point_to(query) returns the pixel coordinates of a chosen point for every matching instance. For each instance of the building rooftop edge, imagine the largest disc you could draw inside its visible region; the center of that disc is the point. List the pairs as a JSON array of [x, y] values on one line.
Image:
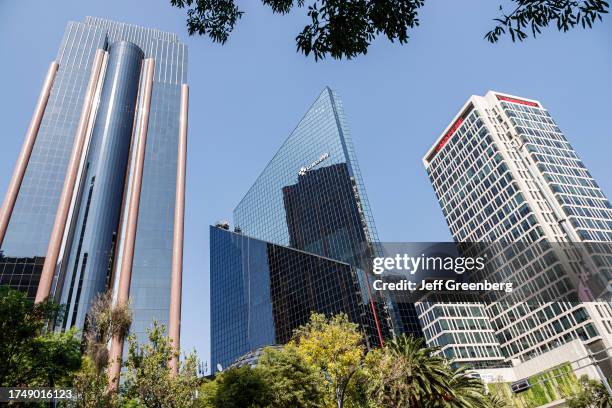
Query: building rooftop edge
[[92, 20], [471, 99], [280, 245]]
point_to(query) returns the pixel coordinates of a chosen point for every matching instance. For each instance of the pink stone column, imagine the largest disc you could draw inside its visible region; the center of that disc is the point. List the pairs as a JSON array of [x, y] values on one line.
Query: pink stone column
[[26, 151], [61, 216], [176, 284], [127, 258]]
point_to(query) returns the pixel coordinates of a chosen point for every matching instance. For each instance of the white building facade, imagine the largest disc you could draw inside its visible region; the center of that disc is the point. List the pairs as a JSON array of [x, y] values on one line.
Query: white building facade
[[504, 173]]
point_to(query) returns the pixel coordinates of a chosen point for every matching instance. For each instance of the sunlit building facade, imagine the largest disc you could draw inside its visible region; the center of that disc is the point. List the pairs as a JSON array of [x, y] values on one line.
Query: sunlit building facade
[[310, 200], [504, 173], [98, 188], [261, 292]]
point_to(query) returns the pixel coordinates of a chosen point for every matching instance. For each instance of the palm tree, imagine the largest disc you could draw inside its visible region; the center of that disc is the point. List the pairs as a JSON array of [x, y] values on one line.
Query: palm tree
[[407, 374], [467, 392], [497, 401]]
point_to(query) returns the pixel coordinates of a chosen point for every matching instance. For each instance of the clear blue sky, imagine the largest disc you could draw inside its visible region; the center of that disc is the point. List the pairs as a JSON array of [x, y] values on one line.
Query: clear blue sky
[[248, 95]]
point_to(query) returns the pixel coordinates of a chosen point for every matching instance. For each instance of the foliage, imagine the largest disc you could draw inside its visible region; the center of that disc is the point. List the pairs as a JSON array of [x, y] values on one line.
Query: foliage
[[497, 401], [552, 385], [334, 346], [291, 381], [326, 365], [91, 386], [346, 28], [593, 394], [340, 28], [149, 380], [31, 355], [239, 388], [208, 392], [215, 18], [406, 372], [281, 379], [466, 392], [104, 320], [534, 15]]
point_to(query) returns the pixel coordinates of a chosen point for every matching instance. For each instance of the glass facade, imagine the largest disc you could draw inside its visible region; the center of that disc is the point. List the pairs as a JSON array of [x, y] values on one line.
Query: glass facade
[[94, 236], [25, 245], [579, 195], [261, 292], [93, 239], [320, 140], [311, 197]]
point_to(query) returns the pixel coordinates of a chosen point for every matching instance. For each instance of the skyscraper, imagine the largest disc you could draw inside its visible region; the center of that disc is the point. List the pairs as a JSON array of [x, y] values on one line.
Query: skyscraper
[[309, 200], [96, 200], [503, 172], [261, 292]]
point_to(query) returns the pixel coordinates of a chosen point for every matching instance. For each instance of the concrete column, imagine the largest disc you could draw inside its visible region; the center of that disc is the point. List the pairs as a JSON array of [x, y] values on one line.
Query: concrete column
[[179, 218], [26, 151], [125, 271], [55, 241]]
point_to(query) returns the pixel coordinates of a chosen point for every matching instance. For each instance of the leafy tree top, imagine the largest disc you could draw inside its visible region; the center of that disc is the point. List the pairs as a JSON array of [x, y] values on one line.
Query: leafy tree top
[[30, 355], [346, 28]]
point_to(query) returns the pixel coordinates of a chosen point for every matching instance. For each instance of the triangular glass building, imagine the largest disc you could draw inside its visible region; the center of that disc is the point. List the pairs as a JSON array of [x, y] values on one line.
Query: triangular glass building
[[306, 214]]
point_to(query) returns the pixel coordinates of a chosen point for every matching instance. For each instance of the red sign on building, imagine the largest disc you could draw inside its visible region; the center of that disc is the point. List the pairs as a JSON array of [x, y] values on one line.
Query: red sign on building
[[514, 100], [449, 134]]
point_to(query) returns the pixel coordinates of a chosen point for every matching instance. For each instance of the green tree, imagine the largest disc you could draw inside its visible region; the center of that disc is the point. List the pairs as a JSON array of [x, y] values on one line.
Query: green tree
[[30, 353], [405, 373], [149, 381], [281, 379], [498, 401], [466, 392], [534, 15], [346, 28], [334, 346], [243, 387], [291, 381], [593, 394], [207, 393]]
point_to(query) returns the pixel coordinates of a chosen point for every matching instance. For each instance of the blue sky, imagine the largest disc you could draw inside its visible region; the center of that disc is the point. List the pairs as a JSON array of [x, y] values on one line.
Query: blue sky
[[248, 95]]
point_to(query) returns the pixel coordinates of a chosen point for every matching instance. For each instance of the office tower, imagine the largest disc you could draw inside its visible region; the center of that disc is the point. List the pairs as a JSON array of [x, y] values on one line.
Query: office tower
[[316, 161], [504, 174], [310, 197], [96, 200], [261, 292]]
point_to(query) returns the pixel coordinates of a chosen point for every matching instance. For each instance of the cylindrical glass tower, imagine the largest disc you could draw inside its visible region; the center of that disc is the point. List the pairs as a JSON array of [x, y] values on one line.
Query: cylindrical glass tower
[[95, 233]]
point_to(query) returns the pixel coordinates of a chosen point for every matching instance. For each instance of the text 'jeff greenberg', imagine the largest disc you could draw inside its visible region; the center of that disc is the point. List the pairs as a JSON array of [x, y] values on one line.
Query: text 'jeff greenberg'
[[427, 267]]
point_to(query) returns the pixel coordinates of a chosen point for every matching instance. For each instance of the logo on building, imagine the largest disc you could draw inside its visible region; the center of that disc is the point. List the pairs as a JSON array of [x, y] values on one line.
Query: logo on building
[[306, 169]]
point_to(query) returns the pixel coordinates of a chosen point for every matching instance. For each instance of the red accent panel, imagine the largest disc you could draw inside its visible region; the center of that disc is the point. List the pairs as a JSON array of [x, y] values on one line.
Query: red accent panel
[[514, 100], [449, 134], [380, 337]]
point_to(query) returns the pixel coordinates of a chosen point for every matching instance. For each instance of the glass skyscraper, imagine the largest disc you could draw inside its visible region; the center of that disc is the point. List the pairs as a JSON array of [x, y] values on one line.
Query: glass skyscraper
[[97, 191], [261, 292], [504, 174], [320, 141], [309, 200]]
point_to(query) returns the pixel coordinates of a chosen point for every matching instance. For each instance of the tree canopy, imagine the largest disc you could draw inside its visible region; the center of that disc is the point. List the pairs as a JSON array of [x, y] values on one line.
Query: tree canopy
[[30, 353], [593, 394], [324, 365], [346, 28], [149, 380]]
